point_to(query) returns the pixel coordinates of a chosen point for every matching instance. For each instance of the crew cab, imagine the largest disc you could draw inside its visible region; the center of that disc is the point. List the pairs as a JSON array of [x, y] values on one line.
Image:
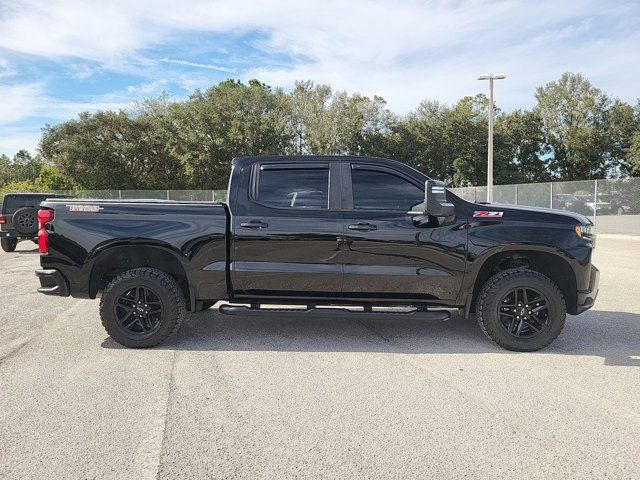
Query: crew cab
[[318, 231]]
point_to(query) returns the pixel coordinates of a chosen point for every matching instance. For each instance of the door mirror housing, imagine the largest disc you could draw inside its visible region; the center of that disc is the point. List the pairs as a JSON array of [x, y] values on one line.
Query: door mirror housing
[[435, 200]]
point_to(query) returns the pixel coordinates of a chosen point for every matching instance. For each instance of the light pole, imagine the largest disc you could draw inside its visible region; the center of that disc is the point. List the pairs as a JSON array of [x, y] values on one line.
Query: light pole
[[491, 77]]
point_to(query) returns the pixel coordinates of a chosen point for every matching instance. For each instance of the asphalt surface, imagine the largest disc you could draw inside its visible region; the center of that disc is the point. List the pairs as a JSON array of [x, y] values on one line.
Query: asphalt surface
[[236, 397]]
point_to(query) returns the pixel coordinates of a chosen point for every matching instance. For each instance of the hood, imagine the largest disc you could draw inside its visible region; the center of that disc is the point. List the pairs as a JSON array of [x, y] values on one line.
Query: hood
[[549, 213]]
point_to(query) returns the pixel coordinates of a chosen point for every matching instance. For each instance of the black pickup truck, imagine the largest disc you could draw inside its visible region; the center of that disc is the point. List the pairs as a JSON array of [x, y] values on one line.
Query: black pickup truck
[[313, 232]]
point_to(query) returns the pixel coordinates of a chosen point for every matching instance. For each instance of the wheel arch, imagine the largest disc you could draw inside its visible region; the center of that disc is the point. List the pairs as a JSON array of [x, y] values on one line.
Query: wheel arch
[[110, 261], [546, 261]]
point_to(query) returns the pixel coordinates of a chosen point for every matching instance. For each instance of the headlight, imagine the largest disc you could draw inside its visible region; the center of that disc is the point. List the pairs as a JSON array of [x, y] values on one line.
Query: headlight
[[583, 230]]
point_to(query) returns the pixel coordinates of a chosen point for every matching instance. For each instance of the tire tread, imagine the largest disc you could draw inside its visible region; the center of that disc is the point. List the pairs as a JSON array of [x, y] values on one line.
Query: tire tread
[[503, 277], [173, 290]]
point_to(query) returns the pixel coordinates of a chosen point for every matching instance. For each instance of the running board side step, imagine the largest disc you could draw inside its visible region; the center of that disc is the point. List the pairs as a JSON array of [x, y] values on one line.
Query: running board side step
[[418, 313]]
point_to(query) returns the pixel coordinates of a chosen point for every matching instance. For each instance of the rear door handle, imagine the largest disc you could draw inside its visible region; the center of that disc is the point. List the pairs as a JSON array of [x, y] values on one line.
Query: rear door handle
[[363, 227], [254, 224]]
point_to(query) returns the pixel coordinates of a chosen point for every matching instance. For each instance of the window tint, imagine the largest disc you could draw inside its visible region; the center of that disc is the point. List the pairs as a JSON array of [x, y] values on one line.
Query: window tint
[[376, 190], [15, 202], [294, 188]]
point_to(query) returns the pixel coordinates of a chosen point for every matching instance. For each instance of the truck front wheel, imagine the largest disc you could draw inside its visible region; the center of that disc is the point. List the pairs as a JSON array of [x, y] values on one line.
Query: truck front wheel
[[140, 308], [521, 310]]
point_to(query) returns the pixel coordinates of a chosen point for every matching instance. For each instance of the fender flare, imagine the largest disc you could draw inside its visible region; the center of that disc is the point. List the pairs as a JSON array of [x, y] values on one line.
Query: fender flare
[[139, 252]]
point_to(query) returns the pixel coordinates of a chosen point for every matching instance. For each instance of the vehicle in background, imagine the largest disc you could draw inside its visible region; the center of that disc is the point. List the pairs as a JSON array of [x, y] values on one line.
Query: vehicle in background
[[599, 208], [621, 207], [321, 231], [571, 203], [18, 218]]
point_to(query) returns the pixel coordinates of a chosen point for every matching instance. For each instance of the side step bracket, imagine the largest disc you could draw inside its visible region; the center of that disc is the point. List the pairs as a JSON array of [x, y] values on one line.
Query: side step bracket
[[255, 310]]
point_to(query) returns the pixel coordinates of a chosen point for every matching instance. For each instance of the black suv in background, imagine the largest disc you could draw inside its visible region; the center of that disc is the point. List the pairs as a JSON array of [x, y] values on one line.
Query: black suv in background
[[19, 218]]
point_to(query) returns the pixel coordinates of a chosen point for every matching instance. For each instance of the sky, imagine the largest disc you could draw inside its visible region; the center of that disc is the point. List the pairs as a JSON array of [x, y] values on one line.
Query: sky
[[61, 57]]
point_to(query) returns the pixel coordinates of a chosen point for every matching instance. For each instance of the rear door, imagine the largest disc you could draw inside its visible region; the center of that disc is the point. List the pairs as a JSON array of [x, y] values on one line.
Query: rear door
[[387, 254], [13, 203], [286, 233]]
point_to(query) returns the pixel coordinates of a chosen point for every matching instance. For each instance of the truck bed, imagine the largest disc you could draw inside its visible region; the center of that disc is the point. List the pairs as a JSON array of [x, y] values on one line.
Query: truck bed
[[89, 237]]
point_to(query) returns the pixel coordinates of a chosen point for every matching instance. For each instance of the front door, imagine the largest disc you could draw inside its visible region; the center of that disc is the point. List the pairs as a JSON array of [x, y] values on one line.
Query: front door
[[388, 255], [286, 240]]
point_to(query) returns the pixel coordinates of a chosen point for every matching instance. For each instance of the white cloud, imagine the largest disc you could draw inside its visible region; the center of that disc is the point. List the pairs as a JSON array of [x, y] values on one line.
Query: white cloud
[[23, 103], [29, 100], [6, 70], [144, 90], [82, 71], [404, 50], [19, 101], [206, 66], [18, 138]]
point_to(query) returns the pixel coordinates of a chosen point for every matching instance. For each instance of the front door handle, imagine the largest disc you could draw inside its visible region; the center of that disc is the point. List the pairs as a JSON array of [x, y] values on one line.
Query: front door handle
[[254, 224], [363, 227]]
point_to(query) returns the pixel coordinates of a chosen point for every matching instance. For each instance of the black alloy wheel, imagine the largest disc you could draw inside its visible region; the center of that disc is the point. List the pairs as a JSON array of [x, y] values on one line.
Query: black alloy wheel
[[142, 307], [524, 312], [521, 309], [139, 310]]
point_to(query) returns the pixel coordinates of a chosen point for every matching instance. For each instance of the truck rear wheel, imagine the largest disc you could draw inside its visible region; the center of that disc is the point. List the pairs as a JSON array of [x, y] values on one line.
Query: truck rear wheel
[[140, 308], [521, 310], [8, 244]]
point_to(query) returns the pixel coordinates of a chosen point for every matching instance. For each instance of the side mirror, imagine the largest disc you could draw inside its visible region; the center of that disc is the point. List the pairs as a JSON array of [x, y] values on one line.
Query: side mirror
[[435, 200]]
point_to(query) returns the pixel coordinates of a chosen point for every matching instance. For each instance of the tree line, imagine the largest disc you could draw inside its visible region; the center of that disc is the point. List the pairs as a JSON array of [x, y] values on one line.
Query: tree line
[[575, 131]]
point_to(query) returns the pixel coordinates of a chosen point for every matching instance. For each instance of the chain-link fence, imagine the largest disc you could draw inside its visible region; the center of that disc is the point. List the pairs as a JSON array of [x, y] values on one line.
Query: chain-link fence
[[613, 205], [179, 195]]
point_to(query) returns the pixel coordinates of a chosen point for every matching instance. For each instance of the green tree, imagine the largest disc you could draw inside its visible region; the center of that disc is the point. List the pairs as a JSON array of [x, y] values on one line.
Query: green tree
[[447, 143], [575, 118], [108, 150], [25, 166], [228, 120], [624, 131], [324, 122], [575, 132], [521, 148], [6, 173], [50, 178], [633, 155]]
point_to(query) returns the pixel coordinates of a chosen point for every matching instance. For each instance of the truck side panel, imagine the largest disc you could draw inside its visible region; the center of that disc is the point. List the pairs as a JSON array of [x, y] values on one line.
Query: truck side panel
[[83, 233]]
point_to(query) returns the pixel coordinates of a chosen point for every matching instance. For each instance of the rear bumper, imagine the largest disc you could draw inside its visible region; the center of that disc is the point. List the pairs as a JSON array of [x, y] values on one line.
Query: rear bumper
[[586, 298], [52, 282], [16, 235]]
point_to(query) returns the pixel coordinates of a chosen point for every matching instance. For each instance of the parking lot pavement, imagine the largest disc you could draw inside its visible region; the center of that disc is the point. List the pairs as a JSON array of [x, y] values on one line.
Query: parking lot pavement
[[236, 397]]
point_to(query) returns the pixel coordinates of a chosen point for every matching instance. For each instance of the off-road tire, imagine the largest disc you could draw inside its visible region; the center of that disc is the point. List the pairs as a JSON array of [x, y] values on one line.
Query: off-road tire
[[8, 244], [173, 306], [25, 221], [497, 287]]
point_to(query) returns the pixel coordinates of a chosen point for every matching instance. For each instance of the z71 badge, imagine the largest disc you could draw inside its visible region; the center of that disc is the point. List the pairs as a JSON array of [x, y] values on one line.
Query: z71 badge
[[487, 214], [84, 208]]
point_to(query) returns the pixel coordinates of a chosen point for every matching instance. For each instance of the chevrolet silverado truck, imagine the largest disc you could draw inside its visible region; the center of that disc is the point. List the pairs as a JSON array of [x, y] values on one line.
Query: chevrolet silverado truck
[[315, 233]]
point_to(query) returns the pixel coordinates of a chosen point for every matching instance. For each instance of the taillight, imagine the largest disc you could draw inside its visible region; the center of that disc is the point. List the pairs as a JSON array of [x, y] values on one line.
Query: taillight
[[44, 216], [3, 219]]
